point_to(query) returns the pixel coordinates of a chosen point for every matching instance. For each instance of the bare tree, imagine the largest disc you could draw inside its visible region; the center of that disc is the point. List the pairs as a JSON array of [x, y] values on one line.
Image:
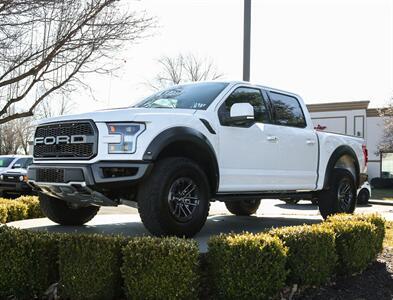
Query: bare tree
[[47, 46], [54, 107], [386, 143], [183, 68], [15, 135]]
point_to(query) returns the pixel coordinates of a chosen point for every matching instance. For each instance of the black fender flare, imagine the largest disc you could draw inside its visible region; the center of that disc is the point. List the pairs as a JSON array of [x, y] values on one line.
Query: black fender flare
[[181, 134], [339, 152]]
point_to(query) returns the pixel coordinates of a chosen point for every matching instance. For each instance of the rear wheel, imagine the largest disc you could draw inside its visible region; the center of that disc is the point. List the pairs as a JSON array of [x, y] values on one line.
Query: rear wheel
[[244, 207], [175, 199], [363, 196], [62, 213], [340, 197]]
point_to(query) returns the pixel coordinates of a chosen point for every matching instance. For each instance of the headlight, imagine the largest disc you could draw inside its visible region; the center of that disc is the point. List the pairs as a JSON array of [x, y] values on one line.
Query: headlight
[[23, 178], [128, 132], [1, 177]]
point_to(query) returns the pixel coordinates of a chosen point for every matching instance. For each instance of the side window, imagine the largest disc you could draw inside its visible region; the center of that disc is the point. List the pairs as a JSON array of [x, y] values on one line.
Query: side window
[[245, 95], [19, 163], [287, 110], [22, 163]]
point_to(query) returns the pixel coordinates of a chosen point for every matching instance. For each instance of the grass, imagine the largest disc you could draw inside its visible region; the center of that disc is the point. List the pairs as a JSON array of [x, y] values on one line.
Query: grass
[[389, 234], [382, 194]]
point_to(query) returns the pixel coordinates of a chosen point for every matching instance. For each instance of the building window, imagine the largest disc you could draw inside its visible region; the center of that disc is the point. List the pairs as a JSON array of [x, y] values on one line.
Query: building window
[[387, 165]]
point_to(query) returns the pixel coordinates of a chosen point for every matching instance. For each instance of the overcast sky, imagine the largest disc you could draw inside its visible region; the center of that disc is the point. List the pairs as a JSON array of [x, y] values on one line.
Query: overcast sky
[[324, 50]]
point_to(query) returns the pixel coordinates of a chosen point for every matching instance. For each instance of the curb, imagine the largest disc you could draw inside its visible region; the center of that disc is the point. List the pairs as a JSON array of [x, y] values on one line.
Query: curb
[[381, 202]]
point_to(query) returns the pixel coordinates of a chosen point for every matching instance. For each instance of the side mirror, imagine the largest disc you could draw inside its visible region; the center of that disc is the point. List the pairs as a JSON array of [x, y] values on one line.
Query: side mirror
[[16, 166], [241, 113]]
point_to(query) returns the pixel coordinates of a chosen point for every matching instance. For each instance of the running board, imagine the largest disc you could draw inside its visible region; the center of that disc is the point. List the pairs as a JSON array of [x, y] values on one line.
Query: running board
[[268, 195]]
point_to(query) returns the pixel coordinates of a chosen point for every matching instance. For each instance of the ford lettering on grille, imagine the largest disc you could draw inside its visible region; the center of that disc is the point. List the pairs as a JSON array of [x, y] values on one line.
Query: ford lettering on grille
[[61, 139], [66, 140]]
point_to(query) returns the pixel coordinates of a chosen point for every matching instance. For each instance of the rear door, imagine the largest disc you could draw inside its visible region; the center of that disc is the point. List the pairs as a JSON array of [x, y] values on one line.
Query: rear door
[[297, 155]]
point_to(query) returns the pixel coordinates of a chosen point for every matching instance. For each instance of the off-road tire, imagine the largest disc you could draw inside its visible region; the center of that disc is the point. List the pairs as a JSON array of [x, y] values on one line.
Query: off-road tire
[[61, 213], [329, 202], [244, 207], [153, 198]]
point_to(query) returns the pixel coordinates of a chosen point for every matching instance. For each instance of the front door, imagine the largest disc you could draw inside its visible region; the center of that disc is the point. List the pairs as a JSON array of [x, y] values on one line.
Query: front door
[[248, 152]]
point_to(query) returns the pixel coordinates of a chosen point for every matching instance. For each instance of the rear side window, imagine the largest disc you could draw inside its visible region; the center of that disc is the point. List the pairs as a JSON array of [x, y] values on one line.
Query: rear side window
[[287, 110]]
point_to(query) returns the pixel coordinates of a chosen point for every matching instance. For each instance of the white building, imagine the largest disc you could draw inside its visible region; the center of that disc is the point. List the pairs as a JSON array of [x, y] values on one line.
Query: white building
[[355, 118]]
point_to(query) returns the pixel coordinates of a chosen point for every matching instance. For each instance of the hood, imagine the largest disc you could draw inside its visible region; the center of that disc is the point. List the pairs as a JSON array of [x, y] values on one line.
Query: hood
[[2, 169], [121, 115]]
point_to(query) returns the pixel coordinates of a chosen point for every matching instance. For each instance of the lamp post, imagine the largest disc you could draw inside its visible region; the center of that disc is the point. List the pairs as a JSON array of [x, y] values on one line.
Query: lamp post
[[246, 40]]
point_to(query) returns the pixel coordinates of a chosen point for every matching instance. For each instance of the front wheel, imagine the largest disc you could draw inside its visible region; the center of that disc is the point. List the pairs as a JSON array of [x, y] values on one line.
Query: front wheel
[[175, 199], [244, 207], [61, 213], [340, 197]]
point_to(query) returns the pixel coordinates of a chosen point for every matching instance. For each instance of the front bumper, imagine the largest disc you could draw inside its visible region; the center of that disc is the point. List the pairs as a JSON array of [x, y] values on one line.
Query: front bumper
[[86, 183], [15, 187]]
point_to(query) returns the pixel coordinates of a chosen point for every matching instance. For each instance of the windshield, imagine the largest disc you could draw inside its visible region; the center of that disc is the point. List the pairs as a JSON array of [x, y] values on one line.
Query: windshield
[[5, 161], [191, 96]]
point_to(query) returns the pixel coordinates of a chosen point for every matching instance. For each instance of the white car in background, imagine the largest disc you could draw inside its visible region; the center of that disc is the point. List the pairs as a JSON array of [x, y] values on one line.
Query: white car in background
[[7, 162], [364, 193]]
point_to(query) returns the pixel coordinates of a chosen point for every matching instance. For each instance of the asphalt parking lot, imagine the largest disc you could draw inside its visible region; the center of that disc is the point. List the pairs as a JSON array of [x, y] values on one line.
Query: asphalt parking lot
[[272, 213]]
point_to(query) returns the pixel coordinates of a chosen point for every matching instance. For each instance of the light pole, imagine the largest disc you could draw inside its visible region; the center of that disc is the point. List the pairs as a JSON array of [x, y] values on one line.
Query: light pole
[[246, 40]]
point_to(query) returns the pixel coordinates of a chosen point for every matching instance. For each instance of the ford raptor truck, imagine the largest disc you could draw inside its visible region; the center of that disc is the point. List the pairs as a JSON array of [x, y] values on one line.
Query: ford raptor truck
[[174, 152]]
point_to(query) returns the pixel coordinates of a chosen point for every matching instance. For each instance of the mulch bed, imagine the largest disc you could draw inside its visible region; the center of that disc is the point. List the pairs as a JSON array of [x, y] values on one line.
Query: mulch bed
[[376, 282]]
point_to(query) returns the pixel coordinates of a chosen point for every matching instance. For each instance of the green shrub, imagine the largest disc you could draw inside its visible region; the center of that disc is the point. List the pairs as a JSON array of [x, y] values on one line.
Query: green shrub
[[89, 266], [160, 268], [16, 211], [28, 262], [3, 213], [311, 253], [33, 206], [354, 244], [373, 218], [24, 207], [246, 266]]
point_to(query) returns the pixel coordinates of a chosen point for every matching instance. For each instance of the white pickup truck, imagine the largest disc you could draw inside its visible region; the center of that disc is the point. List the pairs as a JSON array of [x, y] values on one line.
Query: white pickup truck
[[181, 148]]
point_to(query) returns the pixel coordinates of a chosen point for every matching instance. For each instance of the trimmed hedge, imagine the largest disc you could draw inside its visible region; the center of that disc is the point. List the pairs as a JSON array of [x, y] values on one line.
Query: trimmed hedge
[[374, 218], [28, 262], [3, 213], [354, 244], [254, 266], [24, 207], [33, 206], [89, 266], [311, 253], [246, 266], [160, 268]]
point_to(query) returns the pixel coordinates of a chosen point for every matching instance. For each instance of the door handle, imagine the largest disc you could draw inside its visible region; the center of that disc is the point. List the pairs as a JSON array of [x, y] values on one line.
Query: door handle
[[310, 142], [272, 138]]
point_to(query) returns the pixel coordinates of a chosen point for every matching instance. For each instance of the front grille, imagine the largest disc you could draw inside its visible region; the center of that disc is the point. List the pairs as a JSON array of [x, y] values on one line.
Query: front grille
[[10, 178], [66, 150], [50, 175]]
